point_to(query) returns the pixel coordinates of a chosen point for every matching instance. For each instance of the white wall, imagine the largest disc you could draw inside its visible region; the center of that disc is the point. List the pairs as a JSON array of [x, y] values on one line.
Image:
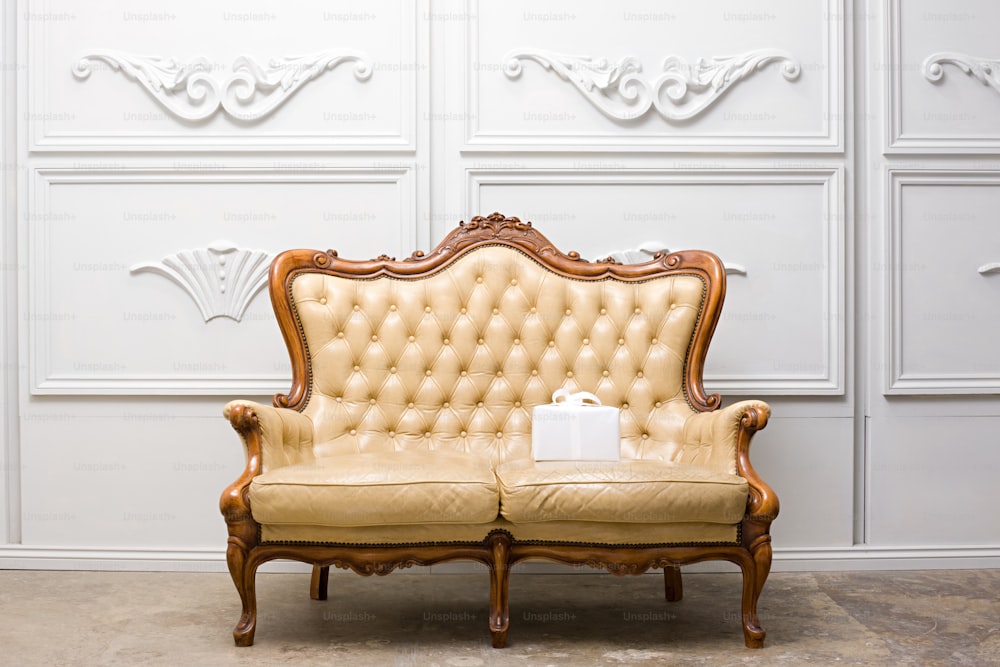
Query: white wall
[[851, 196]]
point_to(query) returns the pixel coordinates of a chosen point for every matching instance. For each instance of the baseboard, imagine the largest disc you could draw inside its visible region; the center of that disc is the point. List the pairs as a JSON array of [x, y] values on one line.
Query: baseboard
[[15, 557]]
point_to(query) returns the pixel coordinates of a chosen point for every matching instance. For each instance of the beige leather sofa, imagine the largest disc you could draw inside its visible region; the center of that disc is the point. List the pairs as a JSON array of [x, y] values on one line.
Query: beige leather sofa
[[406, 437]]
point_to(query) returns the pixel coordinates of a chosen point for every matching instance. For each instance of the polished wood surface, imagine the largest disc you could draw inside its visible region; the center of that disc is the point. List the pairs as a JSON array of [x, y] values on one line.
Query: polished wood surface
[[499, 551]]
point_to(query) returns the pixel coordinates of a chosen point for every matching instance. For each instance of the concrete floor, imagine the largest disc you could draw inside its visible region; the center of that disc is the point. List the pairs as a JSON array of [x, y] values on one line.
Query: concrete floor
[[131, 618]]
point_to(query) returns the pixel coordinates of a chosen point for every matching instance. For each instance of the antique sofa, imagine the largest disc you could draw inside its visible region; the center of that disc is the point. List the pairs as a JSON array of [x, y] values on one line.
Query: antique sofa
[[406, 436]]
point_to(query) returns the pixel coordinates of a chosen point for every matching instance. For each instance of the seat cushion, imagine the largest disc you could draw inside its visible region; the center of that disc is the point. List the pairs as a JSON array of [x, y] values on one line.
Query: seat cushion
[[629, 491], [409, 487]]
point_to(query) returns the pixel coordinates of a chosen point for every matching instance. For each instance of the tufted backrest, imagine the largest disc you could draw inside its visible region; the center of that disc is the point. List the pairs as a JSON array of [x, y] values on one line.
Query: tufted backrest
[[454, 349]]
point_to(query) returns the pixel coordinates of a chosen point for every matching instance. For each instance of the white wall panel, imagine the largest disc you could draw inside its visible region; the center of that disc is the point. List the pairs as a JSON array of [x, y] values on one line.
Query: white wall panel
[[933, 481], [122, 76], [941, 68], [782, 328], [944, 282], [641, 75], [95, 326], [810, 465], [141, 478]]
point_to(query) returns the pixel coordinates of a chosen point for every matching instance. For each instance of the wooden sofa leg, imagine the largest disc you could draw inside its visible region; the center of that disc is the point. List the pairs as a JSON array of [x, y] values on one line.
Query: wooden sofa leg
[[755, 572], [244, 576], [499, 544], [672, 585], [320, 584]]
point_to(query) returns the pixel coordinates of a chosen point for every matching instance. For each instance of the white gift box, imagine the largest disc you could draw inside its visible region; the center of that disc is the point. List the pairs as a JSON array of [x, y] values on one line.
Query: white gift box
[[578, 428]]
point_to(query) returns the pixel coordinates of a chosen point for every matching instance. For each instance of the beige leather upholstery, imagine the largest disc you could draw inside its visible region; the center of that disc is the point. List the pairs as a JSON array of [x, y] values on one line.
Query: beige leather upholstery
[[378, 488], [626, 491], [456, 361], [418, 423]]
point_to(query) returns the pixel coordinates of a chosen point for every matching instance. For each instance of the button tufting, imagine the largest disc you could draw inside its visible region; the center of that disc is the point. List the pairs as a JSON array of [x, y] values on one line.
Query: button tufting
[[322, 300], [340, 334], [357, 368], [586, 341], [569, 312], [621, 341], [499, 374], [392, 308], [427, 434], [374, 337], [604, 311], [409, 405], [517, 404], [645, 436], [354, 431], [411, 338], [569, 374], [479, 279], [446, 404], [428, 372], [638, 310], [357, 307], [534, 371], [552, 343], [624, 406], [517, 341], [658, 404], [496, 311], [463, 311], [392, 434], [427, 309], [654, 341], [499, 434], [513, 281], [480, 341], [340, 399], [446, 342], [639, 374], [371, 400], [605, 373], [463, 434], [534, 310], [463, 373], [392, 370], [479, 404]]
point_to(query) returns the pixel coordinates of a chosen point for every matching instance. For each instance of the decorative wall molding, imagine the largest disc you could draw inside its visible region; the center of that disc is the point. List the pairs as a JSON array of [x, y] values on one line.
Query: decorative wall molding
[[191, 92], [681, 91], [623, 96], [795, 379], [648, 249], [987, 72], [221, 278], [333, 113], [48, 376], [907, 85], [899, 381]]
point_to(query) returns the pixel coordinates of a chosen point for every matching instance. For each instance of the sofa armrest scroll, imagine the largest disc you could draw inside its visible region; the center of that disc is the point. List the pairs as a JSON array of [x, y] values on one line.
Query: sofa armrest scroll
[[284, 437], [726, 435], [272, 437]]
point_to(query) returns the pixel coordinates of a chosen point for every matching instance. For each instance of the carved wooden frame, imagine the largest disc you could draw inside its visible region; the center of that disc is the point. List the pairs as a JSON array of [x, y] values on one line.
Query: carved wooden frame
[[499, 550]]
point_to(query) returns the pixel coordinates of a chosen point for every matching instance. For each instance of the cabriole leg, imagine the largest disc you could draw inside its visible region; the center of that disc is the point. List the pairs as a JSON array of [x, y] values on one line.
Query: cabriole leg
[[499, 544], [244, 577]]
